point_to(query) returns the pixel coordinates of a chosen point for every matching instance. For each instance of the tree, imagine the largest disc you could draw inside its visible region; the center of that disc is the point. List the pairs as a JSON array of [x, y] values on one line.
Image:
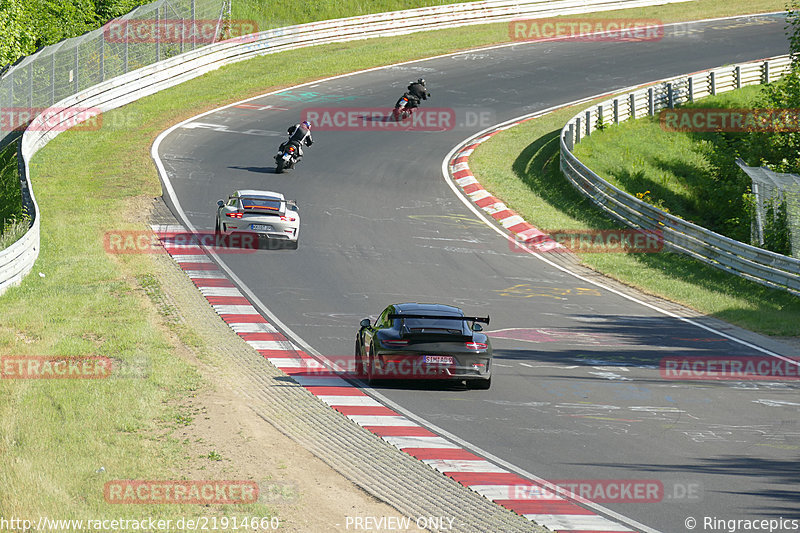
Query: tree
[[15, 27]]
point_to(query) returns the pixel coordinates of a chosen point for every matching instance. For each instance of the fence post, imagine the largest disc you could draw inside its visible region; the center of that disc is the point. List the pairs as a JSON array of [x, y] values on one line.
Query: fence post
[[194, 27], [52, 79], [125, 53], [599, 115], [616, 110], [577, 130], [77, 65], [766, 72], [102, 46], [588, 123], [651, 104], [30, 86], [670, 96], [691, 88], [158, 34], [571, 136], [738, 72], [632, 104], [713, 79]]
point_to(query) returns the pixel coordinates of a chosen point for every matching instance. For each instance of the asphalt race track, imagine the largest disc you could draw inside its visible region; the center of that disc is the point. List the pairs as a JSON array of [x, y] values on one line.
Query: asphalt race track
[[577, 393]]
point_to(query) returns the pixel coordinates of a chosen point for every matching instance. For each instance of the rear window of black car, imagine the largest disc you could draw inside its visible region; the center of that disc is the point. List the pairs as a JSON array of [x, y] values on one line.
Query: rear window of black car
[[261, 204]]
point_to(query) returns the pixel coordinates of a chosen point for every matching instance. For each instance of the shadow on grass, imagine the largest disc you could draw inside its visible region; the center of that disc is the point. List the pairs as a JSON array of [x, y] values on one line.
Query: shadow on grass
[[771, 311]]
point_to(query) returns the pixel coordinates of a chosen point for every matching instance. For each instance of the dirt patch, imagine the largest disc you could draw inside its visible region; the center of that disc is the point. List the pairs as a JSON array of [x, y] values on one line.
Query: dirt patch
[[306, 494]]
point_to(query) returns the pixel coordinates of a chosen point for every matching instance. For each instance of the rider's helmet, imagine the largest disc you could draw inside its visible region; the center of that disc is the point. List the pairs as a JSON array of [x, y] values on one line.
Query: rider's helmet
[[306, 124], [421, 82]]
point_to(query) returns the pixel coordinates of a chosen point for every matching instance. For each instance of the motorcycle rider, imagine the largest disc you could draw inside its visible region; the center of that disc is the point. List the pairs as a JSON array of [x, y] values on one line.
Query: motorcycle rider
[[300, 134], [418, 89], [415, 92]]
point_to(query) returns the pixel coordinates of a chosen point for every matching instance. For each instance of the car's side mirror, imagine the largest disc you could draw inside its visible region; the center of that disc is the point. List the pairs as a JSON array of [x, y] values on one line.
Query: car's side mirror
[[477, 327], [365, 322], [220, 203]]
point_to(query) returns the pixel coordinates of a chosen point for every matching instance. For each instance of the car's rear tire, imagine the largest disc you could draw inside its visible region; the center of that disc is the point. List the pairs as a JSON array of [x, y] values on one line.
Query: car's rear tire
[[371, 379], [479, 384], [217, 235], [359, 362]]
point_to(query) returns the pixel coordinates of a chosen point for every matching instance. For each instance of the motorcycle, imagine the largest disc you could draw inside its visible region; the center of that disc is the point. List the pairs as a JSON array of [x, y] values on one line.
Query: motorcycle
[[403, 109], [287, 157]]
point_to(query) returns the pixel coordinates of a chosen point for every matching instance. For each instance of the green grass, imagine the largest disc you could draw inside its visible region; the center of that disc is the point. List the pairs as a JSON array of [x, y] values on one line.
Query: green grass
[[691, 175], [532, 185], [287, 12], [55, 436], [277, 13]]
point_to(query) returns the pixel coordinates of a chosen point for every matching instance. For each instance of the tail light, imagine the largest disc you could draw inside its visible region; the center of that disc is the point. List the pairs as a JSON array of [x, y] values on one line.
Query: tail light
[[287, 219], [476, 346], [233, 215], [394, 344], [291, 148]]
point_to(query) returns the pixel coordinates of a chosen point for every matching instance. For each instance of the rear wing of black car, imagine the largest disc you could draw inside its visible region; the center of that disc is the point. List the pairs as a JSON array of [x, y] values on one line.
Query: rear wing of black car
[[484, 320]]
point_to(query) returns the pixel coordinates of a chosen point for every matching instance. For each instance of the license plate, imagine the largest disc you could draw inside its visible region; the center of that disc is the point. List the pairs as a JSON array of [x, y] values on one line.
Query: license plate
[[260, 227], [286, 157], [438, 359]]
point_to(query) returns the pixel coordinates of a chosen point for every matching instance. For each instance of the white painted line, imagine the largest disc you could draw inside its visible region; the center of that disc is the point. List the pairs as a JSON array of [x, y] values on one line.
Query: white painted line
[[479, 195], [463, 465], [362, 400], [376, 420], [420, 442], [284, 346], [578, 522], [235, 309], [513, 220], [220, 291], [205, 274], [495, 208], [465, 153], [516, 492], [189, 258], [167, 228], [291, 362], [253, 327]]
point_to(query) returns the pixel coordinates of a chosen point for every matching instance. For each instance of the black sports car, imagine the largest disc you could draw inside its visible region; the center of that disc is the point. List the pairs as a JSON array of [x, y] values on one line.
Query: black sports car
[[425, 341]]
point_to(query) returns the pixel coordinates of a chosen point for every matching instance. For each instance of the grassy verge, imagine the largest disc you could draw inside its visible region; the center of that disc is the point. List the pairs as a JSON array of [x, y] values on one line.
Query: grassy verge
[[55, 436], [690, 174], [532, 184]]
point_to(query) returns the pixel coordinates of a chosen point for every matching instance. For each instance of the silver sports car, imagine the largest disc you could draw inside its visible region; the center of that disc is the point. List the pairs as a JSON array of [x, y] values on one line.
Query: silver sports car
[[265, 214]]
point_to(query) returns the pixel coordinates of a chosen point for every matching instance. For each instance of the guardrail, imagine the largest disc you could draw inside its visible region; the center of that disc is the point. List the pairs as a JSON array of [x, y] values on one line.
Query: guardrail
[[765, 267], [128, 87]]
